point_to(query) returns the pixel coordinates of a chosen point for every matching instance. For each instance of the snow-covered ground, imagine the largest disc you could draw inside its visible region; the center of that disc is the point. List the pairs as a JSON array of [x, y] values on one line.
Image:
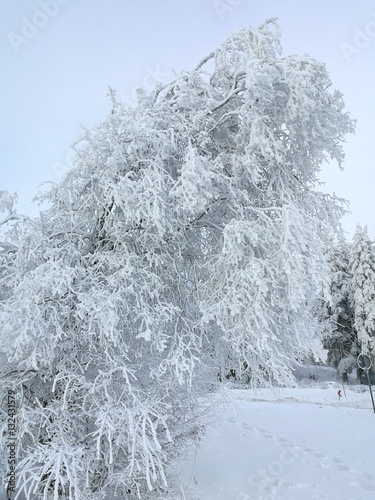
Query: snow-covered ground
[[294, 444], [300, 443]]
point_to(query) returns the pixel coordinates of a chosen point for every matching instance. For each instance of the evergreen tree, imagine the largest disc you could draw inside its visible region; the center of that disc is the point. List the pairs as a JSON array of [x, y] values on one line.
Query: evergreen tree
[[339, 337], [189, 230], [362, 294]]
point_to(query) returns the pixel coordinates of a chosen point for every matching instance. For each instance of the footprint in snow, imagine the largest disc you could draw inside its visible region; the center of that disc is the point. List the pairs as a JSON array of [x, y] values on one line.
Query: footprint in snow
[[339, 465], [232, 420], [365, 476], [317, 455], [365, 480]]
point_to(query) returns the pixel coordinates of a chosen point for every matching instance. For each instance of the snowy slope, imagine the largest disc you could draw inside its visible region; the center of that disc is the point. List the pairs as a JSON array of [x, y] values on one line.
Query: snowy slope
[[299, 443]]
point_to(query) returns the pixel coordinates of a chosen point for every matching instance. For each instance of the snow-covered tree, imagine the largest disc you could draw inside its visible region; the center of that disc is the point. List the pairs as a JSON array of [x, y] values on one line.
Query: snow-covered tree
[[362, 296], [10, 221], [339, 338], [189, 231], [277, 126]]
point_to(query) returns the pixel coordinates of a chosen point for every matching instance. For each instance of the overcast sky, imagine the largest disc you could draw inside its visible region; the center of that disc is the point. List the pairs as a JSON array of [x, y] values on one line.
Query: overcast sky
[[59, 56]]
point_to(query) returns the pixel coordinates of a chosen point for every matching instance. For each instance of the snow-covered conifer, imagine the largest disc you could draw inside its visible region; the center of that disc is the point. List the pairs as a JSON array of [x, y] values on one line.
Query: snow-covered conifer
[[362, 294], [339, 337]]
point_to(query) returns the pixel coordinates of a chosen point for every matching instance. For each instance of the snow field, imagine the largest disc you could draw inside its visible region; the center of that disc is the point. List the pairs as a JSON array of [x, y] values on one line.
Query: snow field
[[294, 444]]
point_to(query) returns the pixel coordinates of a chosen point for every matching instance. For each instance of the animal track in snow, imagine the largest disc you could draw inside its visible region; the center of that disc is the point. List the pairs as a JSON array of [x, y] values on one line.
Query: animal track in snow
[[363, 480]]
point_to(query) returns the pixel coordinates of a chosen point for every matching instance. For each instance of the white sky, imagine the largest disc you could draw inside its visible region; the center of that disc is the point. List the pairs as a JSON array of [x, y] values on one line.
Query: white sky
[[55, 81]]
